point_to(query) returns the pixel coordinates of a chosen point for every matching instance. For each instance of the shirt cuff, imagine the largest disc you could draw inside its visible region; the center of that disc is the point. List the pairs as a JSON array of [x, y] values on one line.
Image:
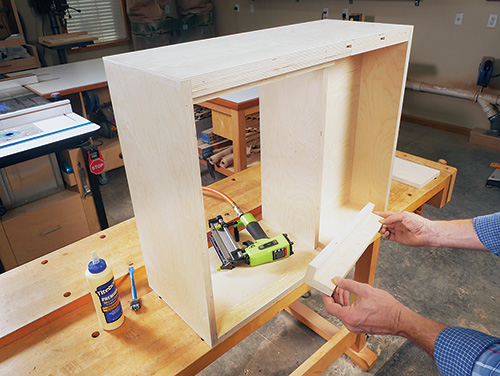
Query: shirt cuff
[[487, 228], [456, 350]]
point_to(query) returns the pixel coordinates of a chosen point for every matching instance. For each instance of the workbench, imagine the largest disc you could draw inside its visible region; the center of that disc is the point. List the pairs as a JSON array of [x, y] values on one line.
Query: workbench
[[69, 80], [49, 323], [228, 120]]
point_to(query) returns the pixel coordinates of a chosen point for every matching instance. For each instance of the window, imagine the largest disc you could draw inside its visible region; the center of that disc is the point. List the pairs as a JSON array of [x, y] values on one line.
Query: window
[[102, 19]]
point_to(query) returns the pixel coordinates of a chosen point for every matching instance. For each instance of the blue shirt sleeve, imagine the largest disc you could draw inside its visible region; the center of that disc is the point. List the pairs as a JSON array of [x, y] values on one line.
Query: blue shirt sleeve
[[488, 362], [457, 349], [487, 229]]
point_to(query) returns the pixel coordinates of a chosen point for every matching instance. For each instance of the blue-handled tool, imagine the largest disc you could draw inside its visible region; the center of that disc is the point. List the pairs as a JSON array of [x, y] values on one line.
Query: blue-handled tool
[[135, 303]]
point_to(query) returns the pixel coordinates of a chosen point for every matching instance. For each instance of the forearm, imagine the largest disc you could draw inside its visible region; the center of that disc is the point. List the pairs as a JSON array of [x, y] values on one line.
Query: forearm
[[455, 234], [419, 329]]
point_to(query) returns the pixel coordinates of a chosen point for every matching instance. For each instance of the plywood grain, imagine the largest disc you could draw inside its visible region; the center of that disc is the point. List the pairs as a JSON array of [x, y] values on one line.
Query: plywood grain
[[379, 111], [160, 155], [292, 123]]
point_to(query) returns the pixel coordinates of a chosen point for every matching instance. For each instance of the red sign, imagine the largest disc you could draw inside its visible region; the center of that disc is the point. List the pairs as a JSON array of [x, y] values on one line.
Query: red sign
[[97, 166]]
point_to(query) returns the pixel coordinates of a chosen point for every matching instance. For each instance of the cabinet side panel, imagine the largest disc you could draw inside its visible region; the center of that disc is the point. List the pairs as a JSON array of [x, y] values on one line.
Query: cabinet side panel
[[292, 116], [155, 123], [382, 83], [341, 116]]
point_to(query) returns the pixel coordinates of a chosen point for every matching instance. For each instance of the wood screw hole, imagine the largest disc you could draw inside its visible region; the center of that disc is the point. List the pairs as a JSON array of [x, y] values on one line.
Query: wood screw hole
[[103, 236], [233, 179], [44, 262], [226, 214], [66, 294], [120, 156], [348, 46], [95, 334], [382, 38], [409, 194]]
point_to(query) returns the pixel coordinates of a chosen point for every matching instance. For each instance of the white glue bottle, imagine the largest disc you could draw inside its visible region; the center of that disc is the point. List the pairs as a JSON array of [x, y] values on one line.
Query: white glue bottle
[[104, 293]]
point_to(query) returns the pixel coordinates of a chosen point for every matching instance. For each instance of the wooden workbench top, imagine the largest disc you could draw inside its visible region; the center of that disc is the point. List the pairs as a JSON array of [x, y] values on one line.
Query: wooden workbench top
[[48, 331]]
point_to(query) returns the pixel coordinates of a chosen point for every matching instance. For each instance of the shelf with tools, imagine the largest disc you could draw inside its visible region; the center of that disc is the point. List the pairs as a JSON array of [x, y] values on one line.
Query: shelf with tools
[[17, 55], [218, 151], [236, 117]]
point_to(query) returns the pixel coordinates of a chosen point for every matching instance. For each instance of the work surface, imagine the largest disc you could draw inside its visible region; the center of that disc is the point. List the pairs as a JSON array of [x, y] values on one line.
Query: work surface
[[51, 327]]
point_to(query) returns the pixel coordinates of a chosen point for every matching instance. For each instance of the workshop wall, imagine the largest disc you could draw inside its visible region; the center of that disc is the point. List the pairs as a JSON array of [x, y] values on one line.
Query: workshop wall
[[442, 53]]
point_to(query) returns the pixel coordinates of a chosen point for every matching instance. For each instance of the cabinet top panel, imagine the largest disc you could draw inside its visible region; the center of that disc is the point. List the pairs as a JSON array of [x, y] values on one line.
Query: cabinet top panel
[[214, 65]]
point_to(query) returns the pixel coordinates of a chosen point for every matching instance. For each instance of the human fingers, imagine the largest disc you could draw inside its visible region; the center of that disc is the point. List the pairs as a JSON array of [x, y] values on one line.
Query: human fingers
[[385, 232], [383, 214], [341, 296], [332, 307], [393, 218], [350, 285]]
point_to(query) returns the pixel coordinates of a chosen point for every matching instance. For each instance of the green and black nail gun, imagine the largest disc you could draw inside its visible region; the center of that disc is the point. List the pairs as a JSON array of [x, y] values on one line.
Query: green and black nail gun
[[262, 250]]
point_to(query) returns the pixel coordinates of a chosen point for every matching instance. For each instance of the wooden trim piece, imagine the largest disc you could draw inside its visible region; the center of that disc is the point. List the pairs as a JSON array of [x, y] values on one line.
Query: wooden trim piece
[[436, 124], [341, 253]]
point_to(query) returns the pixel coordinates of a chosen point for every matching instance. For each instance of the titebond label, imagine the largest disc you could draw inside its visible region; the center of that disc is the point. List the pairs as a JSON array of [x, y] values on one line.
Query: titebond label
[[110, 301]]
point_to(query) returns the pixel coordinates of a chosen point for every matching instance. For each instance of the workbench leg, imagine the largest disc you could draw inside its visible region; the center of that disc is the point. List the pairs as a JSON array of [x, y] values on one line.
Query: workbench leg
[[239, 140], [318, 362], [365, 273], [365, 359]]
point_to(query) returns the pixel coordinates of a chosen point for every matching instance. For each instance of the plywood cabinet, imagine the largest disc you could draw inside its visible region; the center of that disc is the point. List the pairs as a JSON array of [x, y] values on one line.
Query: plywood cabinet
[[330, 100]]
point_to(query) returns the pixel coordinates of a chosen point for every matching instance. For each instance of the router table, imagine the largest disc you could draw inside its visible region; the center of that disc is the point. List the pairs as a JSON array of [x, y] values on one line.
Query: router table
[[49, 325]]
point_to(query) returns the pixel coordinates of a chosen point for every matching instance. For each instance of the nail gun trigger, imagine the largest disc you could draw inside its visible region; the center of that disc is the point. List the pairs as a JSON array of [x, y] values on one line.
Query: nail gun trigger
[[248, 243]]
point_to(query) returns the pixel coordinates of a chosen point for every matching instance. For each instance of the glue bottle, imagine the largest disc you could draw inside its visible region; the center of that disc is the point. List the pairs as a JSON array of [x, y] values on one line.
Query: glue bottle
[[104, 293]]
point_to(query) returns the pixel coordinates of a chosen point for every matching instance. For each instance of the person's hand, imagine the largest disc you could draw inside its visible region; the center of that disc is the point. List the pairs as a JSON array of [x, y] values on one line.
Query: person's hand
[[374, 311], [406, 228]]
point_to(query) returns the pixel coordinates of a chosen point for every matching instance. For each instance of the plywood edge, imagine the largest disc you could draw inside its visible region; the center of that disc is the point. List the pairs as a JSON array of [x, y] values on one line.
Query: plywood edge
[[341, 254], [413, 174], [205, 88]]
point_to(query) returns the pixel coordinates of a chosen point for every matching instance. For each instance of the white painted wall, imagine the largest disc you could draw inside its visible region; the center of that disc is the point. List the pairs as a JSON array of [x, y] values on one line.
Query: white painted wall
[[442, 53]]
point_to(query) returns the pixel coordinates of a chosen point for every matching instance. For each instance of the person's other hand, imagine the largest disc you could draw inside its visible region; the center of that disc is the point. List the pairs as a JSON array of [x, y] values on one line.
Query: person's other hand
[[406, 228], [374, 311]]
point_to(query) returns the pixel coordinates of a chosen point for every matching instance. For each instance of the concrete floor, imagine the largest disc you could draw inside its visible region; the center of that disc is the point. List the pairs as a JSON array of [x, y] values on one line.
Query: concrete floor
[[457, 287]]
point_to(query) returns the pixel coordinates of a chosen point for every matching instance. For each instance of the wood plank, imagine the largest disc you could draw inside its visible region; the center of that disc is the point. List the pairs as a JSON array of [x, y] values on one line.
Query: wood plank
[[478, 136], [413, 174], [404, 197], [165, 185], [436, 124], [379, 111], [342, 253], [292, 118], [266, 54], [118, 245]]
